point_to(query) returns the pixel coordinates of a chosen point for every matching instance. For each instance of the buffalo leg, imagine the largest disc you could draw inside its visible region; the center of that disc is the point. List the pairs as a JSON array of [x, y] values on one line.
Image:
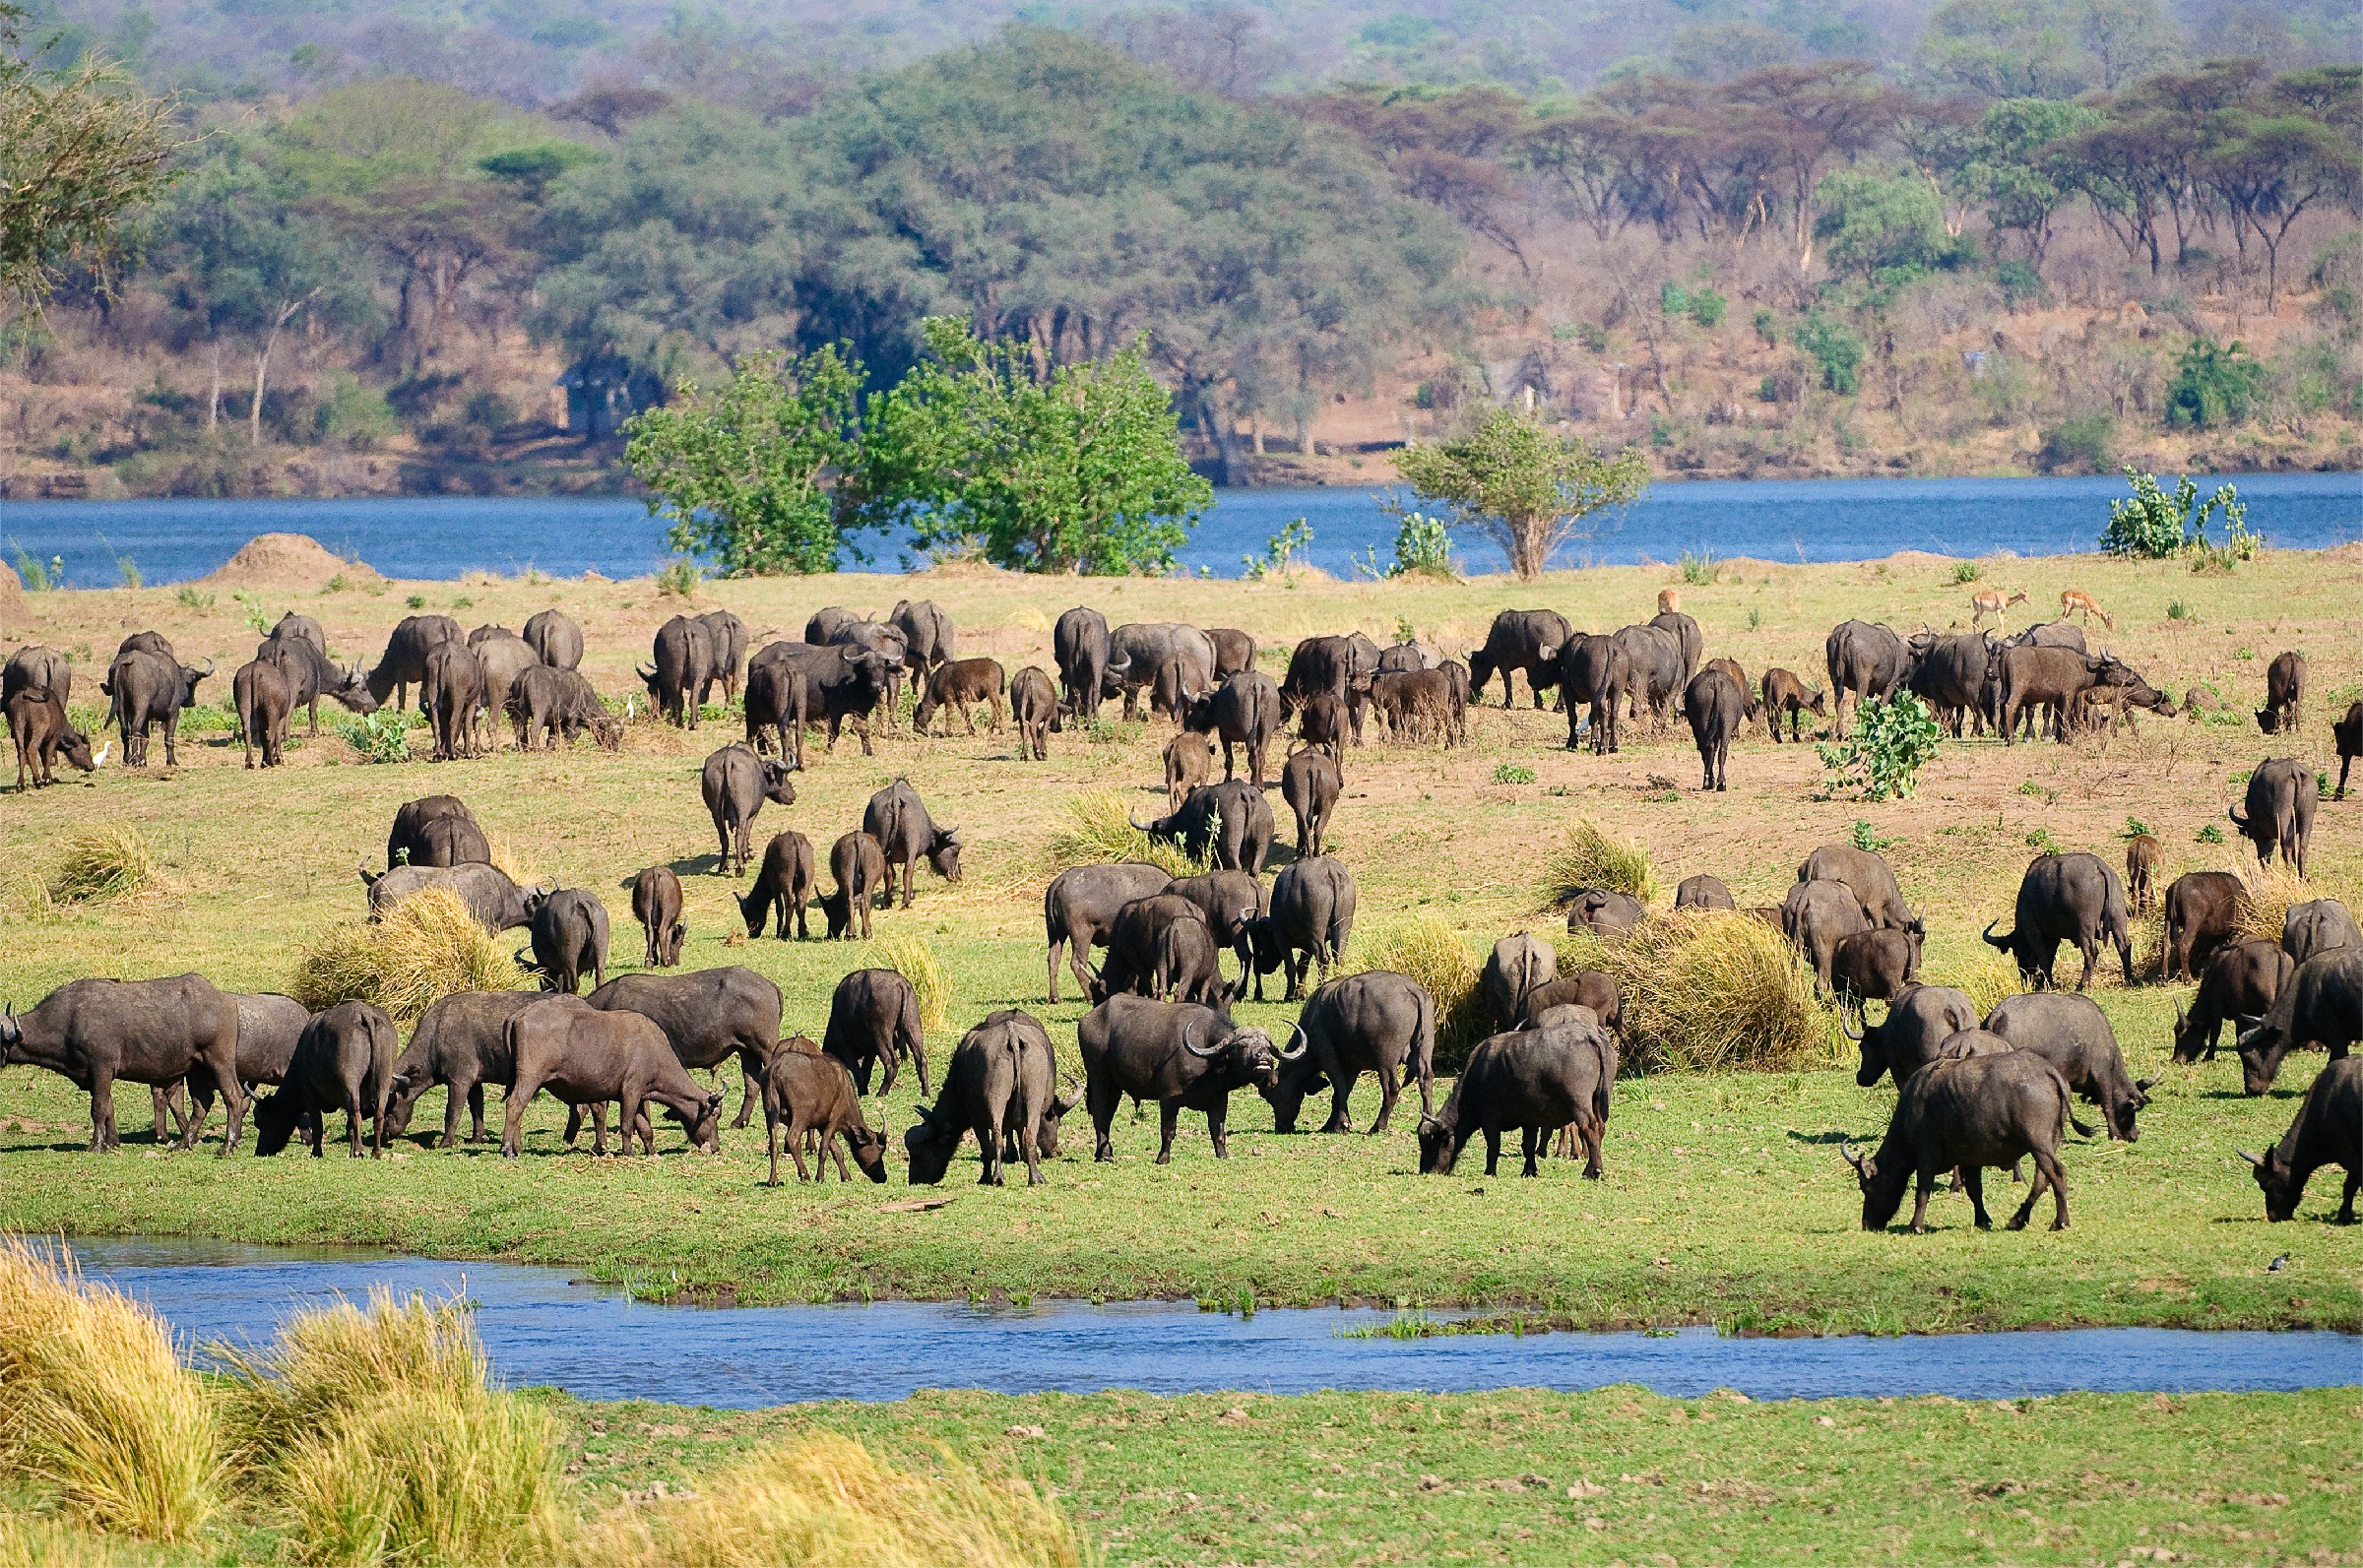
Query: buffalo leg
[[771, 1136], [1342, 1082], [1589, 1127], [1527, 1135], [1101, 1104], [1169, 1112], [102, 1113], [989, 1150], [750, 1085], [475, 1113], [1493, 1149], [1927, 1184], [1032, 1151], [2346, 1200], [797, 1134], [512, 1137], [598, 1129], [2091, 947], [1972, 1180], [1218, 1128]]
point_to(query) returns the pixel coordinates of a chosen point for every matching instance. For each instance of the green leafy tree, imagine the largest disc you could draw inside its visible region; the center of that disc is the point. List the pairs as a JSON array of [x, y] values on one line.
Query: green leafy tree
[[2213, 386], [1528, 489], [1078, 468], [2022, 166], [749, 474], [1837, 349], [1884, 225], [2153, 525]]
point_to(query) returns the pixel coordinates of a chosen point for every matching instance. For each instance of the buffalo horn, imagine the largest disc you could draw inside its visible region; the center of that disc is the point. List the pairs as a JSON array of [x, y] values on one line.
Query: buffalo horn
[[649, 673], [1853, 1034], [1190, 1045], [1846, 1150], [1142, 826], [1297, 1033], [2146, 1084], [2244, 1155], [209, 670], [1987, 934]]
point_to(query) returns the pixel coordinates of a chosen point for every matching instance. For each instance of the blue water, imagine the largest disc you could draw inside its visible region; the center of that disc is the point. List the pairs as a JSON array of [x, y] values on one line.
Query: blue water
[[1810, 520], [540, 1328]]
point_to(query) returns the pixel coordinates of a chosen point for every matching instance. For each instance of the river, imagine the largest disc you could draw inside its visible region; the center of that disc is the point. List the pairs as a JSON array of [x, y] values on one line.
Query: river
[[1801, 520]]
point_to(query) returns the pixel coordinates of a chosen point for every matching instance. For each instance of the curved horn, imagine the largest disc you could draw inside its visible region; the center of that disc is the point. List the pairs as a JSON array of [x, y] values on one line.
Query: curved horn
[[1847, 1150], [209, 670], [1853, 1034], [1190, 1047], [2238, 821], [1142, 826], [1988, 935], [649, 673], [1296, 1031], [2146, 1084], [2244, 1155]]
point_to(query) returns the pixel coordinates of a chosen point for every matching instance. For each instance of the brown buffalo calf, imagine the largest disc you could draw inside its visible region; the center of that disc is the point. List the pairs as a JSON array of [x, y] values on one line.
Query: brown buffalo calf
[[37, 723], [656, 904], [811, 1096], [956, 685], [1784, 694], [2142, 870], [1034, 708], [783, 886], [1189, 763]]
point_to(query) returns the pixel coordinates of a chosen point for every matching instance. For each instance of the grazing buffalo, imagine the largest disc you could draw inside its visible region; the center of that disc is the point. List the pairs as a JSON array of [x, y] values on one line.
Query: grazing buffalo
[[1868, 876], [2322, 1004], [588, 1056], [1594, 672], [1715, 705], [1418, 703], [1816, 917], [873, 1018], [142, 1031], [1322, 721], [2142, 852], [1875, 965], [1230, 822], [1603, 910], [860, 867], [811, 1098], [1689, 639], [1189, 764], [43, 733], [1311, 922], [569, 936], [1183, 1056], [1704, 892], [1785, 695], [403, 664], [656, 905], [1002, 1085], [144, 689], [1079, 647], [554, 639], [681, 669], [451, 692], [35, 667], [926, 633], [1653, 655], [1949, 673], [2328, 1131], [1232, 902], [1327, 666], [461, 1043], [1965, 1113], [1142, 650], [502, 656], [1034, 708], [1244, 711], [725, 642], [2203, 910], [776, 710], [1865, 661], [2284, 692], [1517, 966], [2316, 927], [958, 685], [1161, 946], [1080, 905], [310, 677], [2347, 735], [1377, 1022], [342, 1061], [1310, 784], [782, 887], [1918, 1023], [898, 819], [736, 783], [435, 829], [263, 700], [548, 705], [268, 1025], [498, 903], [1526, 641], [293, 628], [2242, 980], [2067, 898], [2051, 680], [1584, 989], [2282, 796], [1534, 1080], [2072, 1034], [709, 1017]]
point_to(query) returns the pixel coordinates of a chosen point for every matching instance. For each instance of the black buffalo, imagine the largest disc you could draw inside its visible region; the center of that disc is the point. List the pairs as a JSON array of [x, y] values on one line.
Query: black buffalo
[[1519, 964], [1716, 705], [1310, 784], [708, 1017], [681, 668], [451, 693], [2072, 1034], [141, 1032], [656, 905], [2328, 1131], [1534, 1080], [587, 1057], [1816, 915], [1654, 678], [1377, 1022], [1312, 920], [2322, 1005], [2316, 927], [1918, 1023], [2281, 798], [782, 887], [1244, 711], [2203, 911], [498, 903], [1866, 661], [2242, 980], [1965, 1113], [1002, 1085], [1232, 902], [553, 636], [144, 689], [2067, 898], [1868, 876], [310, 677], [873, 1018], [570, 936], [436, 831], [1034, 710], [403, 664], [1704, 892], [898, 819], [1594, 671], [1079, 647], [736, 783], [1183, 1056], [1527, 640], [1161, 945], [1080, 905], [860, 867], [462, 1043], [548, 705], [342, 1061], [726, 640]]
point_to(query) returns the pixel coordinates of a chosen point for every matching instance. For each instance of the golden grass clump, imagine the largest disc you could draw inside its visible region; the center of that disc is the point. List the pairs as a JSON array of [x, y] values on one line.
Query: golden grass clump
[[1987, 978], [915, 962], [421, 950], [373, 1437], [828, 1500], [505, 861], [1709, 990], [1099, 830], [96, 1407], [106, 861], [2272, 890], [1435, 956], [36, 1541], [1591, 858]]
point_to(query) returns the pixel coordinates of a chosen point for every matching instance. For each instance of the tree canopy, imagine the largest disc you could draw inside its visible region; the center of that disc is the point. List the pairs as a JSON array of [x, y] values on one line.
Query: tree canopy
[[1529, 489]]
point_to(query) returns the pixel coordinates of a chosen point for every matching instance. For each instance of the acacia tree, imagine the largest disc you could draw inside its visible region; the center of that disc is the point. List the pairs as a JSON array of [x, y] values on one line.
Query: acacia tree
[[1527, 489]]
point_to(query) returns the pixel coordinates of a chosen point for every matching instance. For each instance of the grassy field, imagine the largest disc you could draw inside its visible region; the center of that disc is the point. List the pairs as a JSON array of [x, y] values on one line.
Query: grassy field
[[1726, 1201]]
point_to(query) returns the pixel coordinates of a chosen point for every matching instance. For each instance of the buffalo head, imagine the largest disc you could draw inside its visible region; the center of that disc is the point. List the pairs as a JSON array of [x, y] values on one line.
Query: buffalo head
[[943, 853], [2275, 1179], [1439, 1149], [931, 1143], [868, 1145]]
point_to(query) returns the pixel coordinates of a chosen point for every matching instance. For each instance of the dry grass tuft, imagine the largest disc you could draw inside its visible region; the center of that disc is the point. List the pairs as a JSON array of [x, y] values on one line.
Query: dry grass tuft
[[1709, 990], [827, 1500], [1099, 830], [373, 1437], [103, 862], [2272, 890], [505, 861], [421, 950], [1438, 957], [1591, 858], [1987, 978], [36, 1541], [96, 1406], [915, 961]]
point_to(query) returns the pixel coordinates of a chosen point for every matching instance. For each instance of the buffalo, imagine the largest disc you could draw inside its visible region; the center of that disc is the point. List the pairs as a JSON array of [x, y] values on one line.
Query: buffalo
[[1584, 989], [1161, 946], [498, 903], [2322, 1004], [1232, 902], [268, 1025], [926, 633], [1234, 650], [2052, 679], [502, 657], [141, 1032], [682, 667], [1875, 965], [1865, 661], [1950, 672], [2072, 1034], [2067, 898], [1079, 647], [342, 1061], [1816, 917], [2316, 927], [708, 1017], [1139, 650], [310, 677], [1534, 1080], [656, 905], [782, 887], [1377, 1022], [2328, 1131], [35, 667], [1244, 711], [1419, 703], [898, 819], [2282, 796], [1002, 1085], [886, 644], [554, 639], [1526, 641], [811, 1098], [548, 705], [1189, 763], [726, 643], [860, 867], [43, 733], [1153, 1050], [570, 935], [822, 627], [958, 685], [435, 831], [1689, 639], [1517, 966], [1918, 1023], [1715, 705], [2142, 852], [873, 1020], [1868, 876], [1654, 656], [1080, 905], [1704, 892], [451, 692], [461, 1043], [585, 1056], [1230, 822], [2202, 910], [1965, 1113], [777, 706], [1594, 671], [1310, 784], [736, 783], [1312, 920], [1034, 710], [2284, 692], [403, 664], [144, 689], [2347, 735], [2242, 980], [1605, 911], [1785, 695], [1322, 722]]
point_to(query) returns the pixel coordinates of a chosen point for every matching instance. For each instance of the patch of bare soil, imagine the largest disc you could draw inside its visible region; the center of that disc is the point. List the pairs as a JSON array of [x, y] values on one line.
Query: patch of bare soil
[[287, 561]]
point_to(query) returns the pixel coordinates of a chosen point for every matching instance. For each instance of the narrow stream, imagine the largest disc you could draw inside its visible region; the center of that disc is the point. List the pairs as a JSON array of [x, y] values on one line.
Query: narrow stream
[[541, 1327]]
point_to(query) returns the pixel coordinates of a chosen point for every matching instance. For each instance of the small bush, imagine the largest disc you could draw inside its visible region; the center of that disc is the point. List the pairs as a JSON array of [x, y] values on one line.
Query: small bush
[[1511, 772], [1708, 990], [1964, 571], [1892, 741], [421, 950], [915, 961], [1699, 568], [2209, 833], [381, 736], [680, 578], [2084, 443], [1422, 549], [1434, 953], [2213, 386], [103, 862], [1590, 858], [190, 599], [828, 1500], [1099, 829], [96, 1406]]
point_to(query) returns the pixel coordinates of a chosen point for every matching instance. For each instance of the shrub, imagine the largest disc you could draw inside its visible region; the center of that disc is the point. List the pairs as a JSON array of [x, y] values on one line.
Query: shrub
[[1434, 953], [2152, 525], [1892, 741], [1709, 990], [1510, 773], [825, 1501], [417, 952], [680, 578], [381, 736], [96, 1406], [1836, 349], [2213, 386], [1422, 547], [106, 861], [1590, 858], [1964, 571], [1279, 550], [2085, 442], [1701, 567], [1099, 829], [915, 961]]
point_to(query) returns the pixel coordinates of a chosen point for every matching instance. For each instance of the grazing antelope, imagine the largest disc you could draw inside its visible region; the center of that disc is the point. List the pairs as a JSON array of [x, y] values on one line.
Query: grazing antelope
[[1990, 601], [1669, 601], [2076, 601]]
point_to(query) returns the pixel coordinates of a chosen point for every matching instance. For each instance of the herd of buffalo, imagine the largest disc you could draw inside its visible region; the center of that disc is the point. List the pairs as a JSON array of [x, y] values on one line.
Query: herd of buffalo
[[1974, 1091]]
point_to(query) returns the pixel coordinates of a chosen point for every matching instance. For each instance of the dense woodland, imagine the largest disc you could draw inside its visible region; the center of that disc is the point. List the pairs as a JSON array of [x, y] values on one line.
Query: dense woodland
[[1998, 235]]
